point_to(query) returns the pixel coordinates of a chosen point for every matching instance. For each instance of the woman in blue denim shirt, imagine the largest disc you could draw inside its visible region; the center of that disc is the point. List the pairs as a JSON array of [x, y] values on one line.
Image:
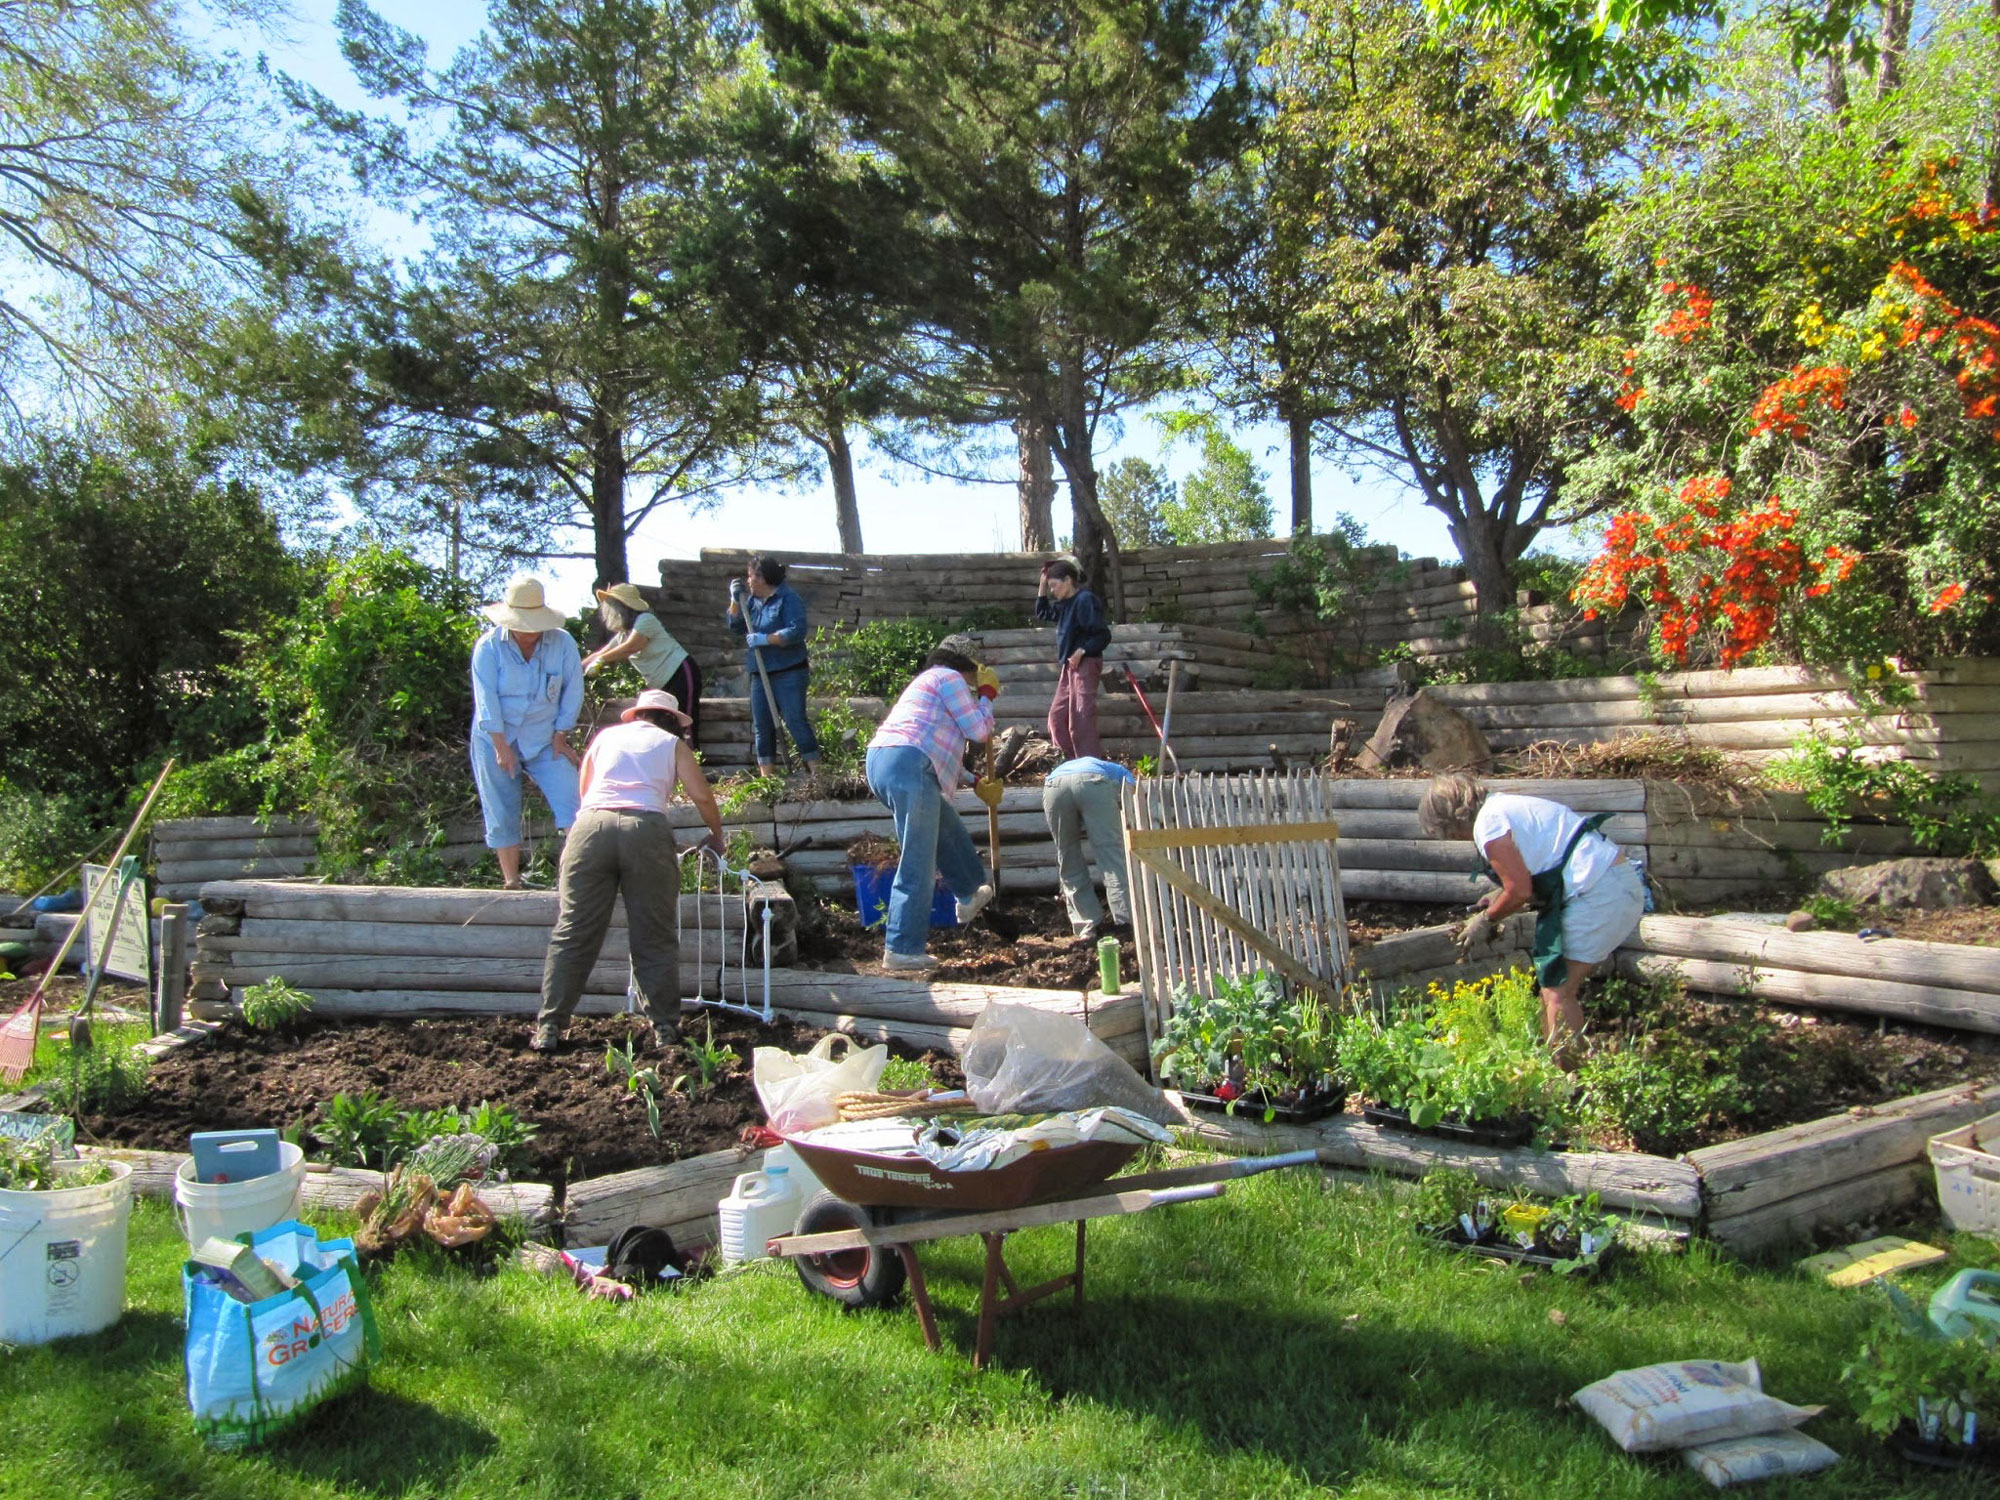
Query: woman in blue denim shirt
[[527, 689], [772, 620]]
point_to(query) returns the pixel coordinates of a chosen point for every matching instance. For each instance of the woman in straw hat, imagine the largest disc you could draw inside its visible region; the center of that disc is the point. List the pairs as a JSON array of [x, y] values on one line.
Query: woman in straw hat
[[527, 689], [661, 661], [624, 843]]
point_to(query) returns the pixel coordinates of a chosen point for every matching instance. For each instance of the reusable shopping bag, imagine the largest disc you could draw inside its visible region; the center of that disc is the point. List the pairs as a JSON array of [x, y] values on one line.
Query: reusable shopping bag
[[254, 1369]]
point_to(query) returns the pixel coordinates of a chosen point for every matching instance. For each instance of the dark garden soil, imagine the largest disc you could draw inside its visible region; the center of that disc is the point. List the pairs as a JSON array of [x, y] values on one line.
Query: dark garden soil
[[1022, 941], [1967, 924], [588, 1122]]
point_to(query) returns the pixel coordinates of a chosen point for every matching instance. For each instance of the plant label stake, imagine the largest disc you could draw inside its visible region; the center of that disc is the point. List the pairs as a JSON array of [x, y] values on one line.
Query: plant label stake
[[23, 1028]]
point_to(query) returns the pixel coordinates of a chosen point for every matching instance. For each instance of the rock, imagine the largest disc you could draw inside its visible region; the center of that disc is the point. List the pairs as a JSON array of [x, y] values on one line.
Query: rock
[[1423, 732], [1800, 921], [1922, 884]]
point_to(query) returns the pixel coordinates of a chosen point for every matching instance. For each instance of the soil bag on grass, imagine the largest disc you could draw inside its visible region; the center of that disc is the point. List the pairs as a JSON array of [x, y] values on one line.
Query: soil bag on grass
[[1678, 1405], [1023, 1061], [255, 1369], [1765, 1456]]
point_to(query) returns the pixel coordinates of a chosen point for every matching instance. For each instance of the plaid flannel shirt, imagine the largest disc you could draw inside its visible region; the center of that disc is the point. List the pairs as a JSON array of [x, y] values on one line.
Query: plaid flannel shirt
[[937, 714]]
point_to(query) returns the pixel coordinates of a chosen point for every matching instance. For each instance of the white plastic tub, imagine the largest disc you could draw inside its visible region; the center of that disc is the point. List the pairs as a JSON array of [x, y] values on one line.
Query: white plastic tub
[[226, 1209], [1967, 1161], [62, 1258]]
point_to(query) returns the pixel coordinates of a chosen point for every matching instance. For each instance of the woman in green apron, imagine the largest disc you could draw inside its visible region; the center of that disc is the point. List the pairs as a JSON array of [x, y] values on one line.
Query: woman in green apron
[[1588, 894]]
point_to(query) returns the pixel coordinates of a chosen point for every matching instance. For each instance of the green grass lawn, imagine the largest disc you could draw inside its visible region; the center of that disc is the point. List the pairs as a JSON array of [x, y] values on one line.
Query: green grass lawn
[[1293, 1337]]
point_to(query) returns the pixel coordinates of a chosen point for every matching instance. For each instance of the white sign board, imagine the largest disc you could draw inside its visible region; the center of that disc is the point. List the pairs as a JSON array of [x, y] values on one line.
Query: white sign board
[[128, 951]]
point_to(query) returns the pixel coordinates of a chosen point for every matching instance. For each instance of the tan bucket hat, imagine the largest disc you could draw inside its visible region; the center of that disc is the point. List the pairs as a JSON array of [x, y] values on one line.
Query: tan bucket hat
[[523, 608], [627, 594], [655, 698]]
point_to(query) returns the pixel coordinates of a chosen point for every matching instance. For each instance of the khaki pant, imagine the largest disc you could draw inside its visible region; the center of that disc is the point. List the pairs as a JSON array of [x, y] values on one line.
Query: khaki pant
[[609, 853], [1079, 807]]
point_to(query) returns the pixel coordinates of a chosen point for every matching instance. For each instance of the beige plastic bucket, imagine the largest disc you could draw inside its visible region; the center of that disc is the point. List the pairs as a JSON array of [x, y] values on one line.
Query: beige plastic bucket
[[226, 1209], [62, 1258]]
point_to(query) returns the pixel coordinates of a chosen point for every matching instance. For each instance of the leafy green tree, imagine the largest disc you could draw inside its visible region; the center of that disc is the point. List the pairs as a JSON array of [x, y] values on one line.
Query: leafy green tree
[[1057, 146], [126, 572], [553, 341], [1469, 330], [1223, 500], [120, 144], [1134, 496]]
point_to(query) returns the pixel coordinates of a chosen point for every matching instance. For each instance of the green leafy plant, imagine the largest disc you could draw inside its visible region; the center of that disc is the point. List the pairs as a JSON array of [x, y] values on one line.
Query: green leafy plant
[[28, 1165], [710, 1059], [1834, 912], [739, 792], [274, 1005], [416, 1128], [1946, 815], [1146, 765], [508, 1132], [1443, 1194], [876, 659], [903, 1073], [1470, 1053], [641, 1079], [1908, 1374], [451, 1158], [358, 1130], [102, 1080], [1252, 1039]]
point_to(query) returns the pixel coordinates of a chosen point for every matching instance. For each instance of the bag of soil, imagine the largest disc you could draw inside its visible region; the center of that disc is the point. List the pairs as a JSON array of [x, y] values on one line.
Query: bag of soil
[[1764, 1456], [1022, 1061], [1677, 1405]]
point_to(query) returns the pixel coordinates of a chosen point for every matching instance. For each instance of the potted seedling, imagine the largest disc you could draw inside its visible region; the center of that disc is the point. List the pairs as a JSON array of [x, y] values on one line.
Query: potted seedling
[[1936, 1398], [1452, 1207], [62, 1239], [1252, 1043]]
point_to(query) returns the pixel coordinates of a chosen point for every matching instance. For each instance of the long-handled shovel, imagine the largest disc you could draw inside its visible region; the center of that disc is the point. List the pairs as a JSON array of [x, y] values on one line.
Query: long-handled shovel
[[23, 1028]]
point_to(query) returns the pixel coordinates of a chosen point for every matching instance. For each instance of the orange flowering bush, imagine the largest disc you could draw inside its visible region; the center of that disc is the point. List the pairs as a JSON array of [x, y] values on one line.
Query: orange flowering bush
[[1830, 442]]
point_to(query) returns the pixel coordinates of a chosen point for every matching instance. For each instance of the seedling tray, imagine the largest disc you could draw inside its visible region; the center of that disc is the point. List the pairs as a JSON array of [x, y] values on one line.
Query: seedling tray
[[1247, 1106], [1472, 1133], [1981, 1458], [1514, 1254]]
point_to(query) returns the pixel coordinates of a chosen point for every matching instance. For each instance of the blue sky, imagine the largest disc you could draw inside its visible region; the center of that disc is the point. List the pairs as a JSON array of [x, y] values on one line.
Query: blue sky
[[902, 510]]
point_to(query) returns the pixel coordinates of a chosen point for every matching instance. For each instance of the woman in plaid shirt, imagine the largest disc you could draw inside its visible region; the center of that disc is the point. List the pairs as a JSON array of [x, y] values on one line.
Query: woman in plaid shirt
[[915, 763]]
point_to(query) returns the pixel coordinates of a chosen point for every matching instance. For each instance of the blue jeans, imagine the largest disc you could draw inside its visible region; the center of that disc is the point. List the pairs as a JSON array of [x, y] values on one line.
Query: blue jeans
[[500, 794], [789, 688], [933, 840]]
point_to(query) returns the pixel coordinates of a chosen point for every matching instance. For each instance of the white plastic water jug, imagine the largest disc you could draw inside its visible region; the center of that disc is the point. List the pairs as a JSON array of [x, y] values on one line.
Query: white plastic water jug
[[761, 1206]]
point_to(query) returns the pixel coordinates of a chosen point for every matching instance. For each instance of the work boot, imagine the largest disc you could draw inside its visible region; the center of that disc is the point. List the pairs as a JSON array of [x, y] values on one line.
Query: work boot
[[665, 1038], [547, 1038]]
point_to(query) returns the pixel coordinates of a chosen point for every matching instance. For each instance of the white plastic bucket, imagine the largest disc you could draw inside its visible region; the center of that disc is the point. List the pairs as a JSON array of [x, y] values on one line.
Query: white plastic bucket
[[226, 1209], [760, 1207], [62, 1258]]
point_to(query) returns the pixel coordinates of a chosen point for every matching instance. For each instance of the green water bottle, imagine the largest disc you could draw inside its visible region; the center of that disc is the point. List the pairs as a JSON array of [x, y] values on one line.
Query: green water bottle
[[1107, 965]]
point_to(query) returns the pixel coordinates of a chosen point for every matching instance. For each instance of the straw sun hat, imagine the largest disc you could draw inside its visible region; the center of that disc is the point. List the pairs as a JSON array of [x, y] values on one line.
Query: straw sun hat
[[654, 698], [523, 608], [627, 594]]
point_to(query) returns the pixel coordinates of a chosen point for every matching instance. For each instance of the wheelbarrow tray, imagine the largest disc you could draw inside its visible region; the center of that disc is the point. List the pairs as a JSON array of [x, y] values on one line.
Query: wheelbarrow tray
[[879, 1180]]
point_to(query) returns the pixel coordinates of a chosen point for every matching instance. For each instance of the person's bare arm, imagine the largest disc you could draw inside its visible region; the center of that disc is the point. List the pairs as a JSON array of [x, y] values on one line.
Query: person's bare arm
[[627, 645], [1516, 884], [695, 784]]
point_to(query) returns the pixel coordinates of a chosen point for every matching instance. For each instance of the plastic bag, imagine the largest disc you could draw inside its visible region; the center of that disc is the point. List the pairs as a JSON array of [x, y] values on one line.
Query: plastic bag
[[1765, 1456], [1020, 1060], [1677, 1405], [799, 1091], [254, 1369]]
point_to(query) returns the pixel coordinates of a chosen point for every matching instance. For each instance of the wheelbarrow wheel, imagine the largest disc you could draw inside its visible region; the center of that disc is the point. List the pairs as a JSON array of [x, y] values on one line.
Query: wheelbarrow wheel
[[868, 1277]]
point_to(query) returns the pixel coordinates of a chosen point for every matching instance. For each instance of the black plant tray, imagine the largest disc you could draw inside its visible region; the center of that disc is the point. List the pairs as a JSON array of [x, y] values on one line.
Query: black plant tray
[[1471, 1133], [1454, 1239], [1981, 1458], [1254, 1106]]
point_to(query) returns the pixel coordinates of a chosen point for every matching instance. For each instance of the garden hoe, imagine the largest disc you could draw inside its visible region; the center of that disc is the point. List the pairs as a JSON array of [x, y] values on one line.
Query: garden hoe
[[23, 1028], [989, 789]]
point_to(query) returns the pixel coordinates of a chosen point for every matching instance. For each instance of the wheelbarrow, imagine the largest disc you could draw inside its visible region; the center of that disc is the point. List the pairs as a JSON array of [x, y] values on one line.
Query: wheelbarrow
[[856, 1241]]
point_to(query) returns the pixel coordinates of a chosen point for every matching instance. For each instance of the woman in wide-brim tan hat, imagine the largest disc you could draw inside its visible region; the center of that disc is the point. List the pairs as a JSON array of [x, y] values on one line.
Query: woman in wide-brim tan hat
[[527, 690], [661, 661]]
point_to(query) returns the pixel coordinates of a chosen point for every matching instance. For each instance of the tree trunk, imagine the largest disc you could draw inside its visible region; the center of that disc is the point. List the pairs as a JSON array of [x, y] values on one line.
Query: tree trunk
[[840, 465], [1298, 428], [607, 498], [1892, 42], [1097, 549], [1486, 562], [1836, 79], [1036, 488]]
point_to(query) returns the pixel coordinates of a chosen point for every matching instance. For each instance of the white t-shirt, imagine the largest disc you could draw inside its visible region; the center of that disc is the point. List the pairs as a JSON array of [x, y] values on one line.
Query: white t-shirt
[[631, 767], [1542, 830]]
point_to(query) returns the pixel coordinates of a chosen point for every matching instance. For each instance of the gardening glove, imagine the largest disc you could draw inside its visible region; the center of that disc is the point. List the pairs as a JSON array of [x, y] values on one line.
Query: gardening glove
[[1478, 930], [756, 638], [987, 681], [989, 789], [738, 588]]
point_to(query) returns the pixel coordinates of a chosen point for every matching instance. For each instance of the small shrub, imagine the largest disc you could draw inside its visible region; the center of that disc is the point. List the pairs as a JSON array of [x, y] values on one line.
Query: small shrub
[[275, 1005], [1908, 1375], [1443, 1194], [358, 1130], [101, 1080], [877, 659], [1833, 912], [1660, 1106], [1946, 815], [42, 836]]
